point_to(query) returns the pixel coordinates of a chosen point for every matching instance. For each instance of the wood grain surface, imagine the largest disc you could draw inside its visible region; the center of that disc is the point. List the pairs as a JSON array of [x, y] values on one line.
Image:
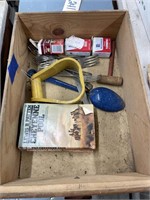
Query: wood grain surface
[[135, 97], [43, 25], [73, 186], [13, 99]]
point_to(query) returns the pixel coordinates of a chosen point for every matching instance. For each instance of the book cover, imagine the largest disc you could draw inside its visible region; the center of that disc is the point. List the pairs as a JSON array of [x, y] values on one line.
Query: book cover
[[53, 126]]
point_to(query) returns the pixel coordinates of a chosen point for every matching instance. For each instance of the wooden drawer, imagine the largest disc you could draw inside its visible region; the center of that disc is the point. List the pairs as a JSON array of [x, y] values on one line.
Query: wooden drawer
[[41, 174]]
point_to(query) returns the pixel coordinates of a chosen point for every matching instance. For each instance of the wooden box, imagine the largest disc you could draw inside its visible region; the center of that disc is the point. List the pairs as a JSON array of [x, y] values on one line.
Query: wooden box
[[68, 178]]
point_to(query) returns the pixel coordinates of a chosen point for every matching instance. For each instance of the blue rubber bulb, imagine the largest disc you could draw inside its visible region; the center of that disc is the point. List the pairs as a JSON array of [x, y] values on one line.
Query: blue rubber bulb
[[106, 100]]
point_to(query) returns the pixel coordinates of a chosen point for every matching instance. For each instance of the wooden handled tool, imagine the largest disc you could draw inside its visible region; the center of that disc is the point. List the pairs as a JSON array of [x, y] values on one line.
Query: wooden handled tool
[[110, 80], [112, 58]]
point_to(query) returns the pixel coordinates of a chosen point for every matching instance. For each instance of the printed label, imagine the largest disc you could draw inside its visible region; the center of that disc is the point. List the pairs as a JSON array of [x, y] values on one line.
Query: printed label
[[34, 123], [72, 5], [98, 44], [75, 42], [57, 49]]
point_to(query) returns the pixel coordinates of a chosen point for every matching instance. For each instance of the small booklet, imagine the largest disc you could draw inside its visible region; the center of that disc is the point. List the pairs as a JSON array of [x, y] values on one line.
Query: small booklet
[[57, 127]]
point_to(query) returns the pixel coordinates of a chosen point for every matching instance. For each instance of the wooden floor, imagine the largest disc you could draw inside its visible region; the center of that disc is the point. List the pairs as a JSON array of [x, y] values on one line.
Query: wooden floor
[[113, 153]]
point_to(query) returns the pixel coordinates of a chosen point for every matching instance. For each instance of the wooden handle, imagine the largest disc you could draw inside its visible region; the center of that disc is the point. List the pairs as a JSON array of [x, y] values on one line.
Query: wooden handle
[[110, 80], [111, 60]]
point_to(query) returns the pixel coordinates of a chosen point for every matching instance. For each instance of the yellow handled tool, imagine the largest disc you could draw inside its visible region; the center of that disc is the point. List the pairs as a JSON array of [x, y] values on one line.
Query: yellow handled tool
[[53, 69]]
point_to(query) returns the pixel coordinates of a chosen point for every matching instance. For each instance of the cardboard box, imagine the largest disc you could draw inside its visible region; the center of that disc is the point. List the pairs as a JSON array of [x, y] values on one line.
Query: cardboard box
[[44, 47], [82, 174], [84, 51], [50, 46], [102, 47]]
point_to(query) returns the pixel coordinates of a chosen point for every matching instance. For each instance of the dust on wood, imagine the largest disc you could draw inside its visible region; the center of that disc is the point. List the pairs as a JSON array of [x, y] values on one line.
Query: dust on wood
[[113, 153]]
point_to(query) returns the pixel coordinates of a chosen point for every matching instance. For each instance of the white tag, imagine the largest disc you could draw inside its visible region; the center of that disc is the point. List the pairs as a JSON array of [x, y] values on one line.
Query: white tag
[[72, 5], [75, 42]]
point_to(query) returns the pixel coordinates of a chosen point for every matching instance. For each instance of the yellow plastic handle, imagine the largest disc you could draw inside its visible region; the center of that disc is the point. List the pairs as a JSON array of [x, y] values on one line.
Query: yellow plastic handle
[[53, 69]]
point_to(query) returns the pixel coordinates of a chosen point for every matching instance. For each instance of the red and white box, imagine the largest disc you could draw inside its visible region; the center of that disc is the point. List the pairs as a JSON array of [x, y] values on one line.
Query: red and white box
[[53, 46], [44, 47], [101, 47], [84, 51]]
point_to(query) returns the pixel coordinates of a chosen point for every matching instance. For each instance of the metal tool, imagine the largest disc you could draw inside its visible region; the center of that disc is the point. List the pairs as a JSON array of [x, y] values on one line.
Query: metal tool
[[88, 86], [32, 48], [111, 59], [88, 77], [110, 79], [44, 60], [54, 81], [53, 69], [87, 61], [85, 98], [61, 84], [41, 61]]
